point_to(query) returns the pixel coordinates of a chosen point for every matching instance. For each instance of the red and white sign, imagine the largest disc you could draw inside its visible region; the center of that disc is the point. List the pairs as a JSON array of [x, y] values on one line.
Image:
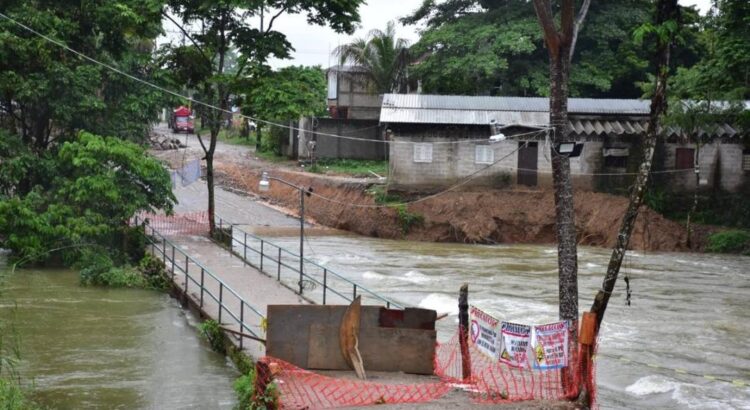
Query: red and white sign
[[514, 344]]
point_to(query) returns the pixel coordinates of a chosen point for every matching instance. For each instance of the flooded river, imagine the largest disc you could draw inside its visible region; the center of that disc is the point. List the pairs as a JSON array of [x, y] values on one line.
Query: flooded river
[[689, 312], [96, 348]]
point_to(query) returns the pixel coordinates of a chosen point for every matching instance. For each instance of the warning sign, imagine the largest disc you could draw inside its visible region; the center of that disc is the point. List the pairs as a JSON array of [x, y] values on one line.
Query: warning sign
[[514, 344], [549, 344], [483, 331]]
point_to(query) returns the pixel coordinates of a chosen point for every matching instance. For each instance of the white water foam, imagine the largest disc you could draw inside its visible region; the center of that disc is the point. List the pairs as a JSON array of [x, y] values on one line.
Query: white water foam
[[652, 384], [416, 277], [441, 303], [373, 275]]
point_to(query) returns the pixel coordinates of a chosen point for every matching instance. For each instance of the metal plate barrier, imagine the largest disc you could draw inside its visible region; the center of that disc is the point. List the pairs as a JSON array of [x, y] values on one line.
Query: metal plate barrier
[[209, 288], [320, 284]]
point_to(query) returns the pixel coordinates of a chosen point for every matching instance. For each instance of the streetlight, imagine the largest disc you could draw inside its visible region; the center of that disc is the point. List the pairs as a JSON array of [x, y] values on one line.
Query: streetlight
[[264, 185]]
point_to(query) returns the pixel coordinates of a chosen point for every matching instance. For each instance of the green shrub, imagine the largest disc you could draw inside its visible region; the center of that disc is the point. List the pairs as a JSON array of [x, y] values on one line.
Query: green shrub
[[13, 397], [381, 195], [211, 331], [154, 272], [98, 269], [407, 219], [244, 387], [734, 241]]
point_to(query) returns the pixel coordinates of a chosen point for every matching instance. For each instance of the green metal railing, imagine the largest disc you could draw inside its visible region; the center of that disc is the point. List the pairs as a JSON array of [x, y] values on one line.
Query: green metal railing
[[176, 260], [322, 285]]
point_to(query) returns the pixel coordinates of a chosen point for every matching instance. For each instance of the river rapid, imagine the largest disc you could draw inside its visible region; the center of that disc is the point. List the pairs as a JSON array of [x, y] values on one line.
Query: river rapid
[[102, 348], [690, 313]]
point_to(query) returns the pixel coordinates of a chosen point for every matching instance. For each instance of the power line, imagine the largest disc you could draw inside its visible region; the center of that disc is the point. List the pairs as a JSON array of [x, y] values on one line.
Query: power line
[[213, 107]]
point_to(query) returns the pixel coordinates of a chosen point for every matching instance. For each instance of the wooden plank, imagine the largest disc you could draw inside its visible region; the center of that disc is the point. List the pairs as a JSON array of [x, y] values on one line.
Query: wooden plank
[[382, 349]]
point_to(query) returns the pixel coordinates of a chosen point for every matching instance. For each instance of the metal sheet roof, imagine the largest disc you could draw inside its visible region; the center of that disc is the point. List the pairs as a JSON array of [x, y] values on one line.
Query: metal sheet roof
[[436, 106]]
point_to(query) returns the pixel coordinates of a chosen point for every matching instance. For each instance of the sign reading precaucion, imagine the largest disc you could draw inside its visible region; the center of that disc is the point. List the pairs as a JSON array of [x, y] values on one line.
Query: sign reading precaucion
[[549, 345], [514, 344], [483, 332]]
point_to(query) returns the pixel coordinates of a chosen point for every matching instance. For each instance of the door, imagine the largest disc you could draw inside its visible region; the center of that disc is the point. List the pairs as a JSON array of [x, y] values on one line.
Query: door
[[528, 154]]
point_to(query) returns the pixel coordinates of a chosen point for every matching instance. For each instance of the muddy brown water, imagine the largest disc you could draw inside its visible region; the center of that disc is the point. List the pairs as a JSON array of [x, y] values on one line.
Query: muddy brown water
[[689, 312], [99, 348]]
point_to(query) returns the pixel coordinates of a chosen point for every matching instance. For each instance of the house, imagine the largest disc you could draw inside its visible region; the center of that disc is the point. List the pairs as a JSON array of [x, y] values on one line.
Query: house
[[350, 95], [355, 113], [438, 141]]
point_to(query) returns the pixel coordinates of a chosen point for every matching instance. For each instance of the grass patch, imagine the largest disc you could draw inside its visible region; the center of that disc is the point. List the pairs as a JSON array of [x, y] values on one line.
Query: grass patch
[[351, 167], [407, 219], [382, 197], [14, 397], [733, 241], [247, 398]]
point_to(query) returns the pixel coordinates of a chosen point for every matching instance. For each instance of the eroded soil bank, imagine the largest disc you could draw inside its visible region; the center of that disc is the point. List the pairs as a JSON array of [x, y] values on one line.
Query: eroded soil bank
[[489, 217]]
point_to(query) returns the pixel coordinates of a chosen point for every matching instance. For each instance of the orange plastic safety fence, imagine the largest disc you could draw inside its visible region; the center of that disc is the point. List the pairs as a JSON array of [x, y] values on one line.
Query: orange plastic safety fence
[[192, 223], [298, 388], [496, 382]]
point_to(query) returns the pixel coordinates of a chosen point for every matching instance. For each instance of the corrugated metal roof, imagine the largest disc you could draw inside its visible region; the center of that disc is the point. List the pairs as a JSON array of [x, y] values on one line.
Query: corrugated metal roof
[[463, 103]]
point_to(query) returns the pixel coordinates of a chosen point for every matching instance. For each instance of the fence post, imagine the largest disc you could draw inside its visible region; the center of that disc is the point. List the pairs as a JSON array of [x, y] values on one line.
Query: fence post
[[221, 299], [463, 327], [354, 285], [202, 287], [278, 273], [325, 284], [261, 255], [242, 321], [244, 248], [173, 274], [164, 251]]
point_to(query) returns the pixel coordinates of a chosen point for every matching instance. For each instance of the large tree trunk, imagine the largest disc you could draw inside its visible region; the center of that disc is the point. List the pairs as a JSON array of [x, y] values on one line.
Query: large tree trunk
[[567, 259], [666, 10]]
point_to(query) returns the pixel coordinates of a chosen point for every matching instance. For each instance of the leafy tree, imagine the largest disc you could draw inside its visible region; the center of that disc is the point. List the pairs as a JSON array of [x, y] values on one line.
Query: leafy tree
[[495, 47], [92, 186], [225, 25], [289, 93], [384, 58], [47, 93]]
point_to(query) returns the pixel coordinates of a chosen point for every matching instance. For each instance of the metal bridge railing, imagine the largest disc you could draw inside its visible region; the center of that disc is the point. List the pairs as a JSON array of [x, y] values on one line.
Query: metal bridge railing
[[321, 284], [176, 260]]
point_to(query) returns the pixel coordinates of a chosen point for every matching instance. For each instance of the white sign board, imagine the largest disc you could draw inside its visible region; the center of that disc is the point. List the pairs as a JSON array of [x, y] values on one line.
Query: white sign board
[[483, 332], [514, 344], [549, 344]]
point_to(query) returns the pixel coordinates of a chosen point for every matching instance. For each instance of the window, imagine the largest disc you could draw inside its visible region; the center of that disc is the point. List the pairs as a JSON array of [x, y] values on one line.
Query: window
[[746, 160], [684, 158], [615, 162], [484, 154], [616, 157], [422, 152]]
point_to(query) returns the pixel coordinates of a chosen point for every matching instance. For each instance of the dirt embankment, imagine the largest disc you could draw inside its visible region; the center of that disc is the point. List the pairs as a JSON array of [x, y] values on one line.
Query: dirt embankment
[[501, 216]]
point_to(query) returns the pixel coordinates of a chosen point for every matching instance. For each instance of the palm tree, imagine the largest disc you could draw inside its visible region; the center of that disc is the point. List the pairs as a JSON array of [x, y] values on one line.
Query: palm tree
[[383, 57]]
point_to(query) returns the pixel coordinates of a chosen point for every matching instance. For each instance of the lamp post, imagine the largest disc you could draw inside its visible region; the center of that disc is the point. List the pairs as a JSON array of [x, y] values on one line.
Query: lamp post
[[264, 185]]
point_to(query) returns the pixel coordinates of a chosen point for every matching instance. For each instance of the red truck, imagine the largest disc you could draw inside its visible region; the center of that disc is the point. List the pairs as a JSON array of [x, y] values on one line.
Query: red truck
[[182, 120]]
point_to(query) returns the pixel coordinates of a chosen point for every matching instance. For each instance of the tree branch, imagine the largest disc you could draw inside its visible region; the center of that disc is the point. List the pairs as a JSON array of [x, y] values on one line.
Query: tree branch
[[544, 14], [578, 23], [270, 23], [187, 35]]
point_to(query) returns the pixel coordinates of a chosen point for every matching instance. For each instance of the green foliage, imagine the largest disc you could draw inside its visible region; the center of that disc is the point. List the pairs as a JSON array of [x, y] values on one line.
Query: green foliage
[[733, 241], [211, 331], [14, 397], [406, 219], [154, 272], [288, 94], [382, 196], [49, 93], [352, 167], [85, 193], [496, 47], [244, 387], [98, 269], [383, 57]]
